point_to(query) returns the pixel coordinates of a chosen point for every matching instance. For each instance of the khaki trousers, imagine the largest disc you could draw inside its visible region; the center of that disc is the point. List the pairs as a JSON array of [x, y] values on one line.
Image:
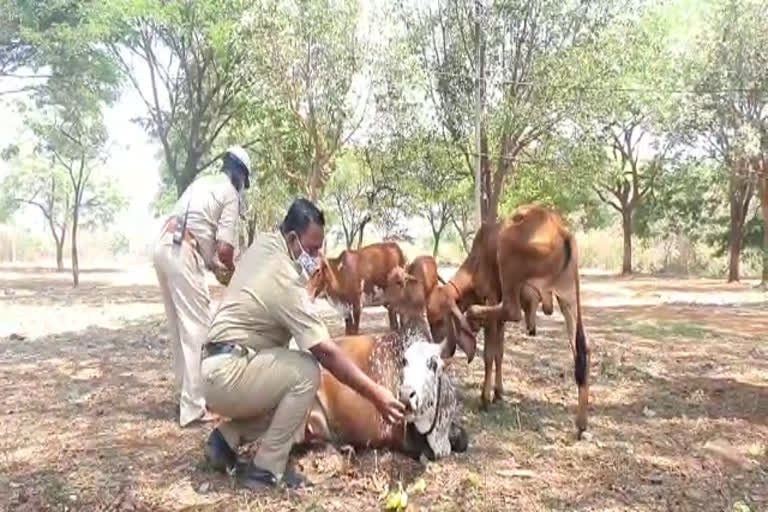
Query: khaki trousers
[[267, 395], [181, 274]]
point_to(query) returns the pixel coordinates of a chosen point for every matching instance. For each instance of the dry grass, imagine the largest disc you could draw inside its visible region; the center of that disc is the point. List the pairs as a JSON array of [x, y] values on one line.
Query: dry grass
[[679, 419]]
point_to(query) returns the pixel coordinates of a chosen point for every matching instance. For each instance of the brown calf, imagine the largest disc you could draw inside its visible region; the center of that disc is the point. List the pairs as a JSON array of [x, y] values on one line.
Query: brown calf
[[408, 289], [533, 247], [355, 275]]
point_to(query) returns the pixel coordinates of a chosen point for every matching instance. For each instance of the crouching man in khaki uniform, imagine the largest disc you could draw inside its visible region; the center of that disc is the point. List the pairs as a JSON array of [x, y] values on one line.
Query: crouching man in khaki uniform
[[200, 235], [250, 374]]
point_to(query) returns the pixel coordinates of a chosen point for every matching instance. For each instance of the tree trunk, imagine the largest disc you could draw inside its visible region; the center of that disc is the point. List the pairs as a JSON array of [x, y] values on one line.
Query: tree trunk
[[464, 233], [361, 231], [489, 205], [764, 278], [740, 189], [58, 239], [75, 262], [60, 255], [734, 254], [435, 244], [488, 212], [762, 184], [251, 229], [626, 224], [187, 175]]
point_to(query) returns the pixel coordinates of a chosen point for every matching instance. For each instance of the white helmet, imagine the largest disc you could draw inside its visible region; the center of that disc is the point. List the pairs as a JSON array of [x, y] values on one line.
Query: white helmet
[[239, 154]]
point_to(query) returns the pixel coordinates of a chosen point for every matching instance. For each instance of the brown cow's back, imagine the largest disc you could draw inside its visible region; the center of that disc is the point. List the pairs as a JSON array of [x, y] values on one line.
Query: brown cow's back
[[537, 236], [376, 260], [350, 416]]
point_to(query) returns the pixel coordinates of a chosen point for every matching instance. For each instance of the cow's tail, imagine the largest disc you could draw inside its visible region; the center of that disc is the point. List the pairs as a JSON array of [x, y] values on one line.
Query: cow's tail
[[582, 351], [441, 280], [568, 251]]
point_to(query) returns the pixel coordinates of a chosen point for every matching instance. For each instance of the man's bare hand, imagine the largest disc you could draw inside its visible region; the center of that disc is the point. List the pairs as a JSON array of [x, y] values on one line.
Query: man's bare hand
[[389, 407]]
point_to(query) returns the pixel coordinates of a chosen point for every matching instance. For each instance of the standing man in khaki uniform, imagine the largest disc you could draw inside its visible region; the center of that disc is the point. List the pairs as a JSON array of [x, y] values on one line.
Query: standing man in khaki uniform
[[201, 234], [249, 372]]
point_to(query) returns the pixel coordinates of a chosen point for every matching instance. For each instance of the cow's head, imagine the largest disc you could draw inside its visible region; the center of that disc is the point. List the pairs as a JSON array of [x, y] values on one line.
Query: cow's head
[[328, 283], [428, 394], [405, 293], [448, 323], [318, 282]]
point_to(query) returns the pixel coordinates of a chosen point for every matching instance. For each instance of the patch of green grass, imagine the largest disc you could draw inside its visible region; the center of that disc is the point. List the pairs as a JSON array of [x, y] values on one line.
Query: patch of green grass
[[657, 330]]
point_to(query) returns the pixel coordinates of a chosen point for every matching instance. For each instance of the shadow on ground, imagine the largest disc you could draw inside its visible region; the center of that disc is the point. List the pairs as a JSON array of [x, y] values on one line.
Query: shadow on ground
[[677, 420]]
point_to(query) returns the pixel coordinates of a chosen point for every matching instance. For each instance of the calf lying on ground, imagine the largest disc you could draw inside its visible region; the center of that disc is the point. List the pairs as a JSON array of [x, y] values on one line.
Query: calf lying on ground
[[407, 362], [345, 281]]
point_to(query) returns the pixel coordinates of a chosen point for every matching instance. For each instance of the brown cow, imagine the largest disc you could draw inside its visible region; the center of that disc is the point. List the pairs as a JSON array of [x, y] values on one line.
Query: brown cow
[[396, 360], [408, 291], [533, 246], [354, 275]]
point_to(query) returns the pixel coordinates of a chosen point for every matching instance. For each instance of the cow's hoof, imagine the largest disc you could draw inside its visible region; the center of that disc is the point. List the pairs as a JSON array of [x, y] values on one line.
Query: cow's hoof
[[497, 397], [458, 438], [347, 450], [581, 427], [484, 404], [532, 332]]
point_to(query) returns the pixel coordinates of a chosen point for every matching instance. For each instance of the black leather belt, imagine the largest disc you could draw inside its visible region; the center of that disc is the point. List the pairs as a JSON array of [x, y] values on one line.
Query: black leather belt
[[215, 349]]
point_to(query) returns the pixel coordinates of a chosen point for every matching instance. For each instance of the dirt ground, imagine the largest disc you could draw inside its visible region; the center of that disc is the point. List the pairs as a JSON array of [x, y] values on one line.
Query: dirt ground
[[678, 421]]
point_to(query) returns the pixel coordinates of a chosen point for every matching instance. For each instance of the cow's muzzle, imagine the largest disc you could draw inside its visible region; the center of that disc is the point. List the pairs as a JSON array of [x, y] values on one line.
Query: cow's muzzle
[[409, 398]]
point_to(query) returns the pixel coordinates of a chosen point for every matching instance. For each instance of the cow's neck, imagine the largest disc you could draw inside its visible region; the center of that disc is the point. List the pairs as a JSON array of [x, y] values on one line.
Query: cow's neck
[[461, 283]]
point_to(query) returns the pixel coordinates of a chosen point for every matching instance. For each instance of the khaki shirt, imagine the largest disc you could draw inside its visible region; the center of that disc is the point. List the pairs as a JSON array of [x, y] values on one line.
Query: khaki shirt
[[267, 303], [214, 208]]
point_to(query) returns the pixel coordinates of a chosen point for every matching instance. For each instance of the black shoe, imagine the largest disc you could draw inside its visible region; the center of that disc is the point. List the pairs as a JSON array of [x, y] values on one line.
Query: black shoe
[[293, 479], [255, 478], [218, 453], [458, 438]]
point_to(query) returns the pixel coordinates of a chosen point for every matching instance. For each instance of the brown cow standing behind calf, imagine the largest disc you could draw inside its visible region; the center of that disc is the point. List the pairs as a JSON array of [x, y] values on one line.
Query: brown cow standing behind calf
[[346, 279], [532, 247]]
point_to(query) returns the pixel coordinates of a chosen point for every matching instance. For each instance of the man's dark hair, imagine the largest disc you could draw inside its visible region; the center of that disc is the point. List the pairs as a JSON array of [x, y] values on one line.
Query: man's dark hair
[[300, 216]]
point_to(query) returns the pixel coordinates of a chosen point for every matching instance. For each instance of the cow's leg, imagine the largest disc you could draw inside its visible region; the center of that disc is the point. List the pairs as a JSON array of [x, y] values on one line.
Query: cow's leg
[[349, 325], [530, 300], [393, 325], [581, 356], [356, 309], [489, 353], [530, 321], [485, 313], [498, 361], [546, 302]]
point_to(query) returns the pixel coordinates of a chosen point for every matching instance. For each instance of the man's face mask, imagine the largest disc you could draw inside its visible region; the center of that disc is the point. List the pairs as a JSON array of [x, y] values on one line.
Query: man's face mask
[[305, 260]]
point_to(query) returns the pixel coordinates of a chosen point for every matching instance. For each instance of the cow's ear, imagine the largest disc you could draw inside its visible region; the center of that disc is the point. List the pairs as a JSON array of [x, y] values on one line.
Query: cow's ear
[[464, 337], [343, 260]]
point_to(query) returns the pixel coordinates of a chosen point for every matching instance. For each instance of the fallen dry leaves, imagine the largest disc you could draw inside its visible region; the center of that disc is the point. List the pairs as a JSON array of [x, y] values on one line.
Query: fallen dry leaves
[[679, 416]]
